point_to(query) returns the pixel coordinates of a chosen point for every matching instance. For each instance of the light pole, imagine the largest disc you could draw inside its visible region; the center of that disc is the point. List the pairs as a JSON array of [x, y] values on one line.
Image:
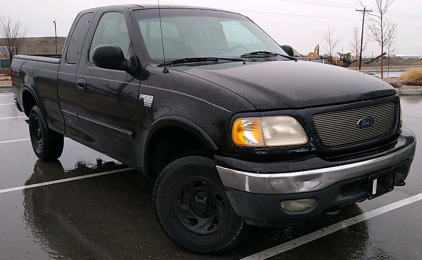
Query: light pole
[[55, 34], [364, 11]]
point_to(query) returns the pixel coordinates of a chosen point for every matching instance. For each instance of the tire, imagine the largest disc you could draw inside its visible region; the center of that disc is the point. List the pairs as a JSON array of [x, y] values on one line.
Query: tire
[[47, 144], [193, 209]]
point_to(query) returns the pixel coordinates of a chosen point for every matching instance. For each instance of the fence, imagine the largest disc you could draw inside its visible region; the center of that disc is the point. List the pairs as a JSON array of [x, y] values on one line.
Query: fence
[[4, 64]]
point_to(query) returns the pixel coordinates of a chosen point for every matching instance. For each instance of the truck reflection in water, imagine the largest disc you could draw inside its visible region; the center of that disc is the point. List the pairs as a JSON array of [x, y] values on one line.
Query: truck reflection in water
[[111, 217], [98, 218]]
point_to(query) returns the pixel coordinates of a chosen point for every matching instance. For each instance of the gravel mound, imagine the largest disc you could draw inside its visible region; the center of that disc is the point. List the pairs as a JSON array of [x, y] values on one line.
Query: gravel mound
[[403, 84]]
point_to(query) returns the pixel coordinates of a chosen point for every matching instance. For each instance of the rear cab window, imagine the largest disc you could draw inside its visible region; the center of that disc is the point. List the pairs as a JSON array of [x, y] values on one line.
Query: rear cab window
[[77, 39]]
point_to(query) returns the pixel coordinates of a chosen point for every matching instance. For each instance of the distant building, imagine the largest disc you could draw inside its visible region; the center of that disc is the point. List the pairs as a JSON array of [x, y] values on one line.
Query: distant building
[[4, 57], [4, 63], [409, 56]]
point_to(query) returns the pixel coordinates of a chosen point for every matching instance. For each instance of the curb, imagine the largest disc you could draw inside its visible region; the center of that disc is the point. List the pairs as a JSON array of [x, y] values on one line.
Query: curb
[[407, 92], [5, 89]]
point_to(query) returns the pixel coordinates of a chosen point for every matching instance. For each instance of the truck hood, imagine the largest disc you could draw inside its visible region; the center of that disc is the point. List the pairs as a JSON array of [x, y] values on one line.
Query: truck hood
[[288, 84]]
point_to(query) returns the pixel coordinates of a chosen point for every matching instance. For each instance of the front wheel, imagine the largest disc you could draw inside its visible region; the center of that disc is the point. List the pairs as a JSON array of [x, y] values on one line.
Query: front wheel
[[193, 209], [47, 144]]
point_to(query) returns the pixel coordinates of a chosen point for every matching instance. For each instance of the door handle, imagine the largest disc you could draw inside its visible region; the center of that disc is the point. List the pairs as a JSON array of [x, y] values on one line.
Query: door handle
[[82, 84]]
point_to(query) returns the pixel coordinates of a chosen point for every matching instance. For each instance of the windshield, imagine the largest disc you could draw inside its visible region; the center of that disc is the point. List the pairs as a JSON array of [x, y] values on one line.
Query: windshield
[[195, 33]]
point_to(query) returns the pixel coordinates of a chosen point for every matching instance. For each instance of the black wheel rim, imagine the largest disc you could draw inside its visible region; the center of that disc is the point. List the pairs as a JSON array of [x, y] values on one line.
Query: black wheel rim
[[37, 134], [200, 206]]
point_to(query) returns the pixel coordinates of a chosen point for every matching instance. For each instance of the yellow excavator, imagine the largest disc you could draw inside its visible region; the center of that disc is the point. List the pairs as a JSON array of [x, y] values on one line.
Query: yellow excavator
[[344, 61], [314, 55]]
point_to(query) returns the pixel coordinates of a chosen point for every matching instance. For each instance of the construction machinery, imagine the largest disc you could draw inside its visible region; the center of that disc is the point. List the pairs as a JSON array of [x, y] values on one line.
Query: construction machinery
[[379, 57], [314, 55], [345, 58]]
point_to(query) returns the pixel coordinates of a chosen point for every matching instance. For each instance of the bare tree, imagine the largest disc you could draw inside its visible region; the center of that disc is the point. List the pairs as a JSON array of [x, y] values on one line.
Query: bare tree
[[381, 29], [12, 36], [330, 42], [391, 48], [355, 43]]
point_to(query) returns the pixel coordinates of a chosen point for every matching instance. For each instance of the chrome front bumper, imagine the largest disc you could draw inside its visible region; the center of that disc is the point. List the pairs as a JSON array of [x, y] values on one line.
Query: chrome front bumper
[[310, 180]]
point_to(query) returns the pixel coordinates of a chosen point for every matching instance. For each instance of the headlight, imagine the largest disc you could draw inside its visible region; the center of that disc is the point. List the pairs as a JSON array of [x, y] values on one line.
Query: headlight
[[268, 131]]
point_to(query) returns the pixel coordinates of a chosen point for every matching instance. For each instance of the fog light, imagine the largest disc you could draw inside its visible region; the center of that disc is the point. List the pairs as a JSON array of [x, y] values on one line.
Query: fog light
[[297, 205]]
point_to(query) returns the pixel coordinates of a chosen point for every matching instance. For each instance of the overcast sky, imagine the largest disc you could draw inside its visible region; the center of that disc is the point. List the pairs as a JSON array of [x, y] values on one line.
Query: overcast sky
[[299, 23]]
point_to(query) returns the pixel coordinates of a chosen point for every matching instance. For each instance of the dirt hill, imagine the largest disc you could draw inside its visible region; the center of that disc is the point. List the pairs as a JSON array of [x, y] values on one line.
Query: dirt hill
[[42, 45]]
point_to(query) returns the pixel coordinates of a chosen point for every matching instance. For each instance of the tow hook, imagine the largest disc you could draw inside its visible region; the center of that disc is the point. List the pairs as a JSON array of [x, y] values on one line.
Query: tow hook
[[332, 211], [401, 183]]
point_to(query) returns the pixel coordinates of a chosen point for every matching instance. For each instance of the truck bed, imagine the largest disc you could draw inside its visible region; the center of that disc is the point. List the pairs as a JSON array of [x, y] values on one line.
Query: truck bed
[[37, 74]]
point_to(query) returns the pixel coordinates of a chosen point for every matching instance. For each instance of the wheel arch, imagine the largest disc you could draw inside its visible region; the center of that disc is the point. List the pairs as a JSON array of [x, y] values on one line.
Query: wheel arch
[[30, 99], [168, 135]]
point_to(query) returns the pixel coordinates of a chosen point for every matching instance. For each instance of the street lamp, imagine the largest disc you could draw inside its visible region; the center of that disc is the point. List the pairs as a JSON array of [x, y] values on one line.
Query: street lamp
[[55, 34]]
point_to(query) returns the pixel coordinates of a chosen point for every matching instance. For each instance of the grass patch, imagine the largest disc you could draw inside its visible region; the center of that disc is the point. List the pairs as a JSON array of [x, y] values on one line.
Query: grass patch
[[413, 74], [5, 71], [5, 78]]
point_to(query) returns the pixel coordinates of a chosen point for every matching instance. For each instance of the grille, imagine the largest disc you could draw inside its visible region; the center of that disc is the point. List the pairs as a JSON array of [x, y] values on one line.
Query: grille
[[340, 127]]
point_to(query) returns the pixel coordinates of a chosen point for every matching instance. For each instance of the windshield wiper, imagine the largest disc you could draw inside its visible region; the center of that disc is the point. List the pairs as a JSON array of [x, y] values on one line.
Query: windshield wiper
[[265, 54], [199, 60]]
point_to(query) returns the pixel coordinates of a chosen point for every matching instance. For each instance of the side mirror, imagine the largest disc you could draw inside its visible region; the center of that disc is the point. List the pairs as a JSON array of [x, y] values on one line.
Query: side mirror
[[110, 57], [288, 49]]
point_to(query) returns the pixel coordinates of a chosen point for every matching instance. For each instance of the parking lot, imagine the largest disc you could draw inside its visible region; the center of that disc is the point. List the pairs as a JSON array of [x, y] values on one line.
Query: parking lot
[[89, 206]]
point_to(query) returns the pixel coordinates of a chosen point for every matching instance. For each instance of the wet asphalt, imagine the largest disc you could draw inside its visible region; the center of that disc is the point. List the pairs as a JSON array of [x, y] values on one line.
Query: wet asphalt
[[111, 216]]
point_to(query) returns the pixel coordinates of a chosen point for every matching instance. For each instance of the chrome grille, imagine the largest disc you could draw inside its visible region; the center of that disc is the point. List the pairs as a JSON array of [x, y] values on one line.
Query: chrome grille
[[340, 127]]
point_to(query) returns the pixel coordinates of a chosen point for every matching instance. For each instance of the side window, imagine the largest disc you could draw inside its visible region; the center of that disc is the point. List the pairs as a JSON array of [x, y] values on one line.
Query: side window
[[77, 38], [111, 30]]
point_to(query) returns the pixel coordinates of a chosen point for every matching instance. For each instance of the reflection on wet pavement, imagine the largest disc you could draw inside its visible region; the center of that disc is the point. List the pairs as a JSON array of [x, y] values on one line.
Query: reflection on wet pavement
[[88, 219], [108, 217], [350, 243]]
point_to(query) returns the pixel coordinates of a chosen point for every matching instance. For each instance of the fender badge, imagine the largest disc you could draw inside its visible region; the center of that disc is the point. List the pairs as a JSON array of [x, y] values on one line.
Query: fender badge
[[148, 100]]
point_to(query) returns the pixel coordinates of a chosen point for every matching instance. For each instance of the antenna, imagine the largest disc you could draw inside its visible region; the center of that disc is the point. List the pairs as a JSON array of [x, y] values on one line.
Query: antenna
[[165, 70]]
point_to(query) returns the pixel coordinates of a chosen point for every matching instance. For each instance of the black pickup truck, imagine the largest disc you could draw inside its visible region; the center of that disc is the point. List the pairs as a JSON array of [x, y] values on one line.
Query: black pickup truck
[[234, 129]]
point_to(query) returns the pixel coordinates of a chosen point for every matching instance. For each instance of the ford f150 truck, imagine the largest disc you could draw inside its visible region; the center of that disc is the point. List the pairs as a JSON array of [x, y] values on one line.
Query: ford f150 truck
[[235, 131]]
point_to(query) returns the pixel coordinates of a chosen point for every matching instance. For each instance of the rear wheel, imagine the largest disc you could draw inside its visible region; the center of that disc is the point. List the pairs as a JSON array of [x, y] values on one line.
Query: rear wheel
[[47, 144], [193, 209]]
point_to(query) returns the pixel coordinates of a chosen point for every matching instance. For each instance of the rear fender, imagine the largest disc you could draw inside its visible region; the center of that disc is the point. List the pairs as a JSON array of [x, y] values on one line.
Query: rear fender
[[27, 104]]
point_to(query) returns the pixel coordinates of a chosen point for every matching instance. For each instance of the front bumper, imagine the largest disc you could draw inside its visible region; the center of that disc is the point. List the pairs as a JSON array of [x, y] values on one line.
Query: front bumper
[[257, 196]]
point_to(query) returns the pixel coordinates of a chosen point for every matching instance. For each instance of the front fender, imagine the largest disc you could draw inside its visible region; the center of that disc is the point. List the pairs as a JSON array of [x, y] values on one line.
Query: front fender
[[174, 122]]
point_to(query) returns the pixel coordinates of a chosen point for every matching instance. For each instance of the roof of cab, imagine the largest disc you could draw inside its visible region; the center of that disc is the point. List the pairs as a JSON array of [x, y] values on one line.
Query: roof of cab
[[149, 6]]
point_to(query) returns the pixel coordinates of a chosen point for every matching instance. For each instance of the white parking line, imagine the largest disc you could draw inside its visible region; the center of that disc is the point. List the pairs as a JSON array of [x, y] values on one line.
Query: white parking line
[[331, 229], [63, 180], [12, 141], [12, 117], [8, 104]]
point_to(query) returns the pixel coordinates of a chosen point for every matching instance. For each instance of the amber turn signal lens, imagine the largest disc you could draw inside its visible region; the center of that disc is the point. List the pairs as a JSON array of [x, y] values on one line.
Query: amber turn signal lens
[[238, 133], [247, 131]]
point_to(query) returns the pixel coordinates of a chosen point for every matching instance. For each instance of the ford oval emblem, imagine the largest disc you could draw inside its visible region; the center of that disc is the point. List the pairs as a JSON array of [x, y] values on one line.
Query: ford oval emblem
[[365, 122]]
